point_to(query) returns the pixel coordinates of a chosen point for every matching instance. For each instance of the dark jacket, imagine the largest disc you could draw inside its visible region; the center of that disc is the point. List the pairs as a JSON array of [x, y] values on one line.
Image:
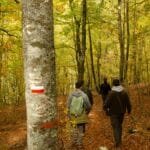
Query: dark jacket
[[88, 92], [117, 101], [104, 88]]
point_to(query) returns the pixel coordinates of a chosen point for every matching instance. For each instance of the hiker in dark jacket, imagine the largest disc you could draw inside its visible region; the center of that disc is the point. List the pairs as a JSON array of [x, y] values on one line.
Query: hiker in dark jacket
[[116, 105], [86, 89], [104, 89]]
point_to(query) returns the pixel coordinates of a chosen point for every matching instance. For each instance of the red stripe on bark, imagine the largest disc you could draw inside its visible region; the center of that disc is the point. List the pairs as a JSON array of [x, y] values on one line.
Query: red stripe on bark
[[38, 91]]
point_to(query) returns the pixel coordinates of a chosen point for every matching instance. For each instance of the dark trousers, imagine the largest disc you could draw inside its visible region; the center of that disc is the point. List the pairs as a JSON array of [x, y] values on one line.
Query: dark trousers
[[81, 127], [103, 99], [116, 122]]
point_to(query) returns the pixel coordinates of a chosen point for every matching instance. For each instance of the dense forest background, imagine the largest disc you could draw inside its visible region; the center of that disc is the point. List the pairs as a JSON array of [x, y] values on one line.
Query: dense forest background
[[117, 44]]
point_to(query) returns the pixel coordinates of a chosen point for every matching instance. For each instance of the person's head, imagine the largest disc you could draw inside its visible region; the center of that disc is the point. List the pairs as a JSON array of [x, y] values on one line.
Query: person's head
[[116, 82], [79, 84], [105, 80]]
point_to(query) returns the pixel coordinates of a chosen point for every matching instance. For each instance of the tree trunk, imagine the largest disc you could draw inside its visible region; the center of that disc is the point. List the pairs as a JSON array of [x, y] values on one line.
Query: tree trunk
[[1, 52], [80, 48], [89, 83], [81, 54], [121, 41], [128, 39], [0, 73], [91, 56], [146, 62], [134, 55], [98, 62], [39, 63]]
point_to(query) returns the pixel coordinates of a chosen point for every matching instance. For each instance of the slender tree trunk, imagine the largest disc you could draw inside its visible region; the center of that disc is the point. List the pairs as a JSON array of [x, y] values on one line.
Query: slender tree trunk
[[134, 55], [1, 42], [121, 41], [1, 51], [127, 40], [0, 73], [79, 54], [91, 56], [39, 63], [81, 59], [80, 46], [146, 62], [98, 61], [140, 61], [21, 80], [77, 41], [88, 72]]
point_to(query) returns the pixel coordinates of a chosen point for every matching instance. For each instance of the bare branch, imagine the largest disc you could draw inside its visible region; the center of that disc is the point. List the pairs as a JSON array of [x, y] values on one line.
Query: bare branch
[[7, 32]]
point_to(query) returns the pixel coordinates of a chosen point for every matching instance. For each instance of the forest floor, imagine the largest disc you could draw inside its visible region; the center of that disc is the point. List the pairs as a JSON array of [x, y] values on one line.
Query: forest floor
[[136, 127]]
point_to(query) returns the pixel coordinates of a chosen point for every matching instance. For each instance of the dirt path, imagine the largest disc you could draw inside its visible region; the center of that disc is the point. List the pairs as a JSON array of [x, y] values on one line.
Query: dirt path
[[98, 132]]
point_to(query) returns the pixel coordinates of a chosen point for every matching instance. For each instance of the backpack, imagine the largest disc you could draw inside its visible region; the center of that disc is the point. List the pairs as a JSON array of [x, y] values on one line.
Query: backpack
[[76, 106]]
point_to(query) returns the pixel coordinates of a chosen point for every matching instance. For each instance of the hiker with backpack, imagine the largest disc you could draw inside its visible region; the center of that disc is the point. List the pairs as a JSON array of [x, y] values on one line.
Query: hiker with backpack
[[116, 105], [78, 109]]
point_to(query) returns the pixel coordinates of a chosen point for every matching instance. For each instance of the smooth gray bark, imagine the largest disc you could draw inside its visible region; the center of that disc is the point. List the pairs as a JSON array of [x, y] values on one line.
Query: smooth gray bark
[[39, 65]]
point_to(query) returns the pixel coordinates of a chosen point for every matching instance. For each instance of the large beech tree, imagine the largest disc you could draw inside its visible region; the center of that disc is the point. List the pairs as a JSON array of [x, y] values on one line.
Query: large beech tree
[[39, 60]]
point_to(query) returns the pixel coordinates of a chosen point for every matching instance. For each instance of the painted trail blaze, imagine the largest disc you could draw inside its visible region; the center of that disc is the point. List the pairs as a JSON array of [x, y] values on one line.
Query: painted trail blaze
[[37, 89]]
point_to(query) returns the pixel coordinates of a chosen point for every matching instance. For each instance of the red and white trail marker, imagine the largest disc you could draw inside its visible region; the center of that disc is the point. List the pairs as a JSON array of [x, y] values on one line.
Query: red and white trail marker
[[37, 89]]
